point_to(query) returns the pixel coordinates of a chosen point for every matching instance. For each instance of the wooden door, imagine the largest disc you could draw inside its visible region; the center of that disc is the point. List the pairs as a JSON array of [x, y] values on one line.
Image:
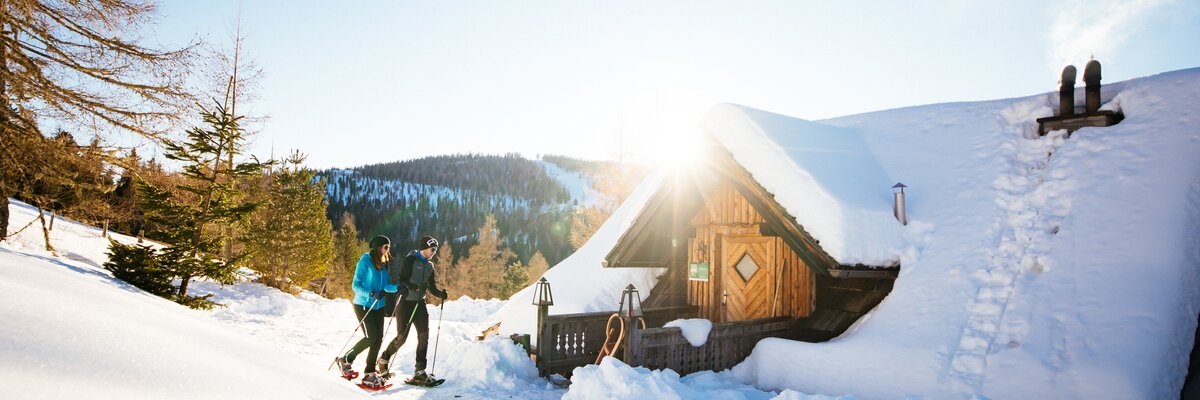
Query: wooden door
[[749, 274]]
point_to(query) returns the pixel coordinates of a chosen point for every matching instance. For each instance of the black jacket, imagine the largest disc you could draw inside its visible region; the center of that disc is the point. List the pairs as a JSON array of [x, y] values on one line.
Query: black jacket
[[418, 275]]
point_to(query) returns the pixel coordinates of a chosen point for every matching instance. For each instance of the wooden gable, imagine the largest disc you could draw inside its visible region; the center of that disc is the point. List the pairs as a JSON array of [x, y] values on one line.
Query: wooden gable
[[657, 237]]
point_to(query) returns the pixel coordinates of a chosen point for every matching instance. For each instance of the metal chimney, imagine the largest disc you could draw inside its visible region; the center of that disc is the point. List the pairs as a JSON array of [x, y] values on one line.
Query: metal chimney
[[1066, 91], [898, 208], [1091, 80]]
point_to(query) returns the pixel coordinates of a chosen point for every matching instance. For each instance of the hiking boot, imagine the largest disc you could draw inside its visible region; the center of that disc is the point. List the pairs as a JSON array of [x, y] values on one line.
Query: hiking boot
[[373, 381], [344, 365], [420, 376], [381, 367]]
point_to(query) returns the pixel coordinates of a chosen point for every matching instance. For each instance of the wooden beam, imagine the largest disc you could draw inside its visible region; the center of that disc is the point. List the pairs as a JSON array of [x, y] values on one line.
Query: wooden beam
[[854, 273]]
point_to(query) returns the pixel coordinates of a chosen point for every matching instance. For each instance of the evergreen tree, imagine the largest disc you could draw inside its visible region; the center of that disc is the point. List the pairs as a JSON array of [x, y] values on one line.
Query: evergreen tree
[[347, 249], [206, 198], [141, 267], [516, 277], [288, 240]]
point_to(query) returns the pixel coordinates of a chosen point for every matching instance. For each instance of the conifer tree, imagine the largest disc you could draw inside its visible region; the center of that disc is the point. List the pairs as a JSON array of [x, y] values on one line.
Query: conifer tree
[[347, 249], [537, 267], [141, 267], [483, 268], [516, 276], [288, 241], [207, 198]]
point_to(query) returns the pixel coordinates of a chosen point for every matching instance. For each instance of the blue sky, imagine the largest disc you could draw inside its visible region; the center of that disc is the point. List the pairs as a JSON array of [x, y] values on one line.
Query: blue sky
[[358, 82]]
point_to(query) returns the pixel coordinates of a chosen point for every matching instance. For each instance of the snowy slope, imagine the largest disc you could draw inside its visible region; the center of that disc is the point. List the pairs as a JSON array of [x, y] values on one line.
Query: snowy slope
[[577, 185], [71, 330], [1041, 267]]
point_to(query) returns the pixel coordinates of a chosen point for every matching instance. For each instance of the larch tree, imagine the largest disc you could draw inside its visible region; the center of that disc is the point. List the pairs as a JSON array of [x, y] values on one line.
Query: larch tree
[[537, 267], [482, 270], [78, 63]]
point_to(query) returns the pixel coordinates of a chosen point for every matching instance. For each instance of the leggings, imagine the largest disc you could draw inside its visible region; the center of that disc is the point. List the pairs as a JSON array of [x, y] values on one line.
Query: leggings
[[373, 326]]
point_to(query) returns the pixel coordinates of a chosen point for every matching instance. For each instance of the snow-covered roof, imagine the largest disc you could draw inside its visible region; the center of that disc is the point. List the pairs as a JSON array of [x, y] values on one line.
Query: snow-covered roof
[[825, 176]]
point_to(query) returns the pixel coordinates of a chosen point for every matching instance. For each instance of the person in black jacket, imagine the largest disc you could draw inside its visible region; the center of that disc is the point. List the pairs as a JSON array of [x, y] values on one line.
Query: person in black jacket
[[414, 276]]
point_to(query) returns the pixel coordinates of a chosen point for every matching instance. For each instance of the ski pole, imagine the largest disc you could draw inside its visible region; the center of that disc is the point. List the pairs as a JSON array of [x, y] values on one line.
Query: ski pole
[[441, 310], [360, 323]]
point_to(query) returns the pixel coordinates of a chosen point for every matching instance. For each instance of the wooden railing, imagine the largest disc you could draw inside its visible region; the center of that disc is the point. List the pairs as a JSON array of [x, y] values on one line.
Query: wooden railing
[[728, 344], [566, 341]]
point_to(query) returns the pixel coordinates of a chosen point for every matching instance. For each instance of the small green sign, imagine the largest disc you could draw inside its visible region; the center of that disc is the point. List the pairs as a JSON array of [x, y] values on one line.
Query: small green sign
[[698, 271]]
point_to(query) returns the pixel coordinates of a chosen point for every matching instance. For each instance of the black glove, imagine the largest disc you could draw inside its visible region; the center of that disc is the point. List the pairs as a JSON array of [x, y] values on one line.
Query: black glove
[[377, 295], [441, 294], [402, 288]]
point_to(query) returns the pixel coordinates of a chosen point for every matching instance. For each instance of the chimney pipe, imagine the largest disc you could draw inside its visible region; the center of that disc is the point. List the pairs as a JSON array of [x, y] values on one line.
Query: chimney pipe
[[1091, 78], [1066, 91], [898, 207]]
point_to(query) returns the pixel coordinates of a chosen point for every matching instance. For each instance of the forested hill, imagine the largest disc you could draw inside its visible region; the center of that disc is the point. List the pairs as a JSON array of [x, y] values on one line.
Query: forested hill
[[450, 196]]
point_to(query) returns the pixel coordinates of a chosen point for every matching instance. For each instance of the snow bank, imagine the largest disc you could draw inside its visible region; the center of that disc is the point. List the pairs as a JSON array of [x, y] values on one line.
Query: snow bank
[[694, 330], [71, 330], [1039, 268], [824, 175], [579, 283]]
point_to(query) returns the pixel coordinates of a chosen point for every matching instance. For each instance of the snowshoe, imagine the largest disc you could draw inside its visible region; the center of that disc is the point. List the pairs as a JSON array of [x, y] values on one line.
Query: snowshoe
[[348, 373], [422, 379], [374, 382]]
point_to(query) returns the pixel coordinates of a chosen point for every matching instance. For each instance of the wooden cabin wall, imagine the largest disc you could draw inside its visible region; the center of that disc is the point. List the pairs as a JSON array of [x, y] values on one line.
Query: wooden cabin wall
[[727, 213]]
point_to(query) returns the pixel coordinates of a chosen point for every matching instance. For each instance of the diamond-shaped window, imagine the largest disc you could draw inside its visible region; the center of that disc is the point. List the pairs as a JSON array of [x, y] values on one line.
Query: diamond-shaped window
[[746, 267]]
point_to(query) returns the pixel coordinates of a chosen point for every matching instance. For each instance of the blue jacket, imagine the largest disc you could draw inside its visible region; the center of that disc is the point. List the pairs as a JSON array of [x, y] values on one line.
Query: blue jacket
[[367, 279]]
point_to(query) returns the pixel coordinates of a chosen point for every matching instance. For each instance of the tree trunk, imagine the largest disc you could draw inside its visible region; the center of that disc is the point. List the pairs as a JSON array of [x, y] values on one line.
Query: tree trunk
[[3, 216], [183, 287], [52, 215]]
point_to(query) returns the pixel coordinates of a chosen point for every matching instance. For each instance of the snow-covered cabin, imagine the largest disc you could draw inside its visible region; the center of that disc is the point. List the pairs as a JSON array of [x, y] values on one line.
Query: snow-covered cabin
[[776, 217], [1031, 266]]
